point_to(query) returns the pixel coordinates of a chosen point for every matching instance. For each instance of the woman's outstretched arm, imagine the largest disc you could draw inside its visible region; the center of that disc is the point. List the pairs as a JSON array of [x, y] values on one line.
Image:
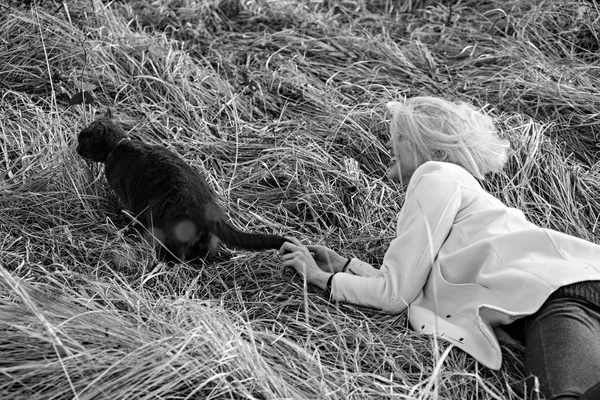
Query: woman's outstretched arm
[[432, 201]]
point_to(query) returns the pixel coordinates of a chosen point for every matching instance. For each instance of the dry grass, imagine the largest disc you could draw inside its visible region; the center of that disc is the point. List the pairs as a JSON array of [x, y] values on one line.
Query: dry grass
[[281, 104]]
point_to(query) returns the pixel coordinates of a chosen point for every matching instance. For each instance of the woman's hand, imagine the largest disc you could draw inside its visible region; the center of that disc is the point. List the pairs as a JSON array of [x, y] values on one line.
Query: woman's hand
[[327, 259], [294, 254]]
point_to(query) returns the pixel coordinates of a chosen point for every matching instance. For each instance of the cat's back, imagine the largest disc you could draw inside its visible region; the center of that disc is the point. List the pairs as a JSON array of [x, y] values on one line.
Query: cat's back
[[135, 159], [144, 174]]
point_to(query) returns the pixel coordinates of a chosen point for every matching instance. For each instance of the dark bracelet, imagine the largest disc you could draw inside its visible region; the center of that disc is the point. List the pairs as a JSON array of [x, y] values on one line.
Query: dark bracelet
[[346, 265], [328, 285]]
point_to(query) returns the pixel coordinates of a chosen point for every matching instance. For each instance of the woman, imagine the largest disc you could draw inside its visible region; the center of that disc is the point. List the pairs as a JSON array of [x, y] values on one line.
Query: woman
[[463, 263]]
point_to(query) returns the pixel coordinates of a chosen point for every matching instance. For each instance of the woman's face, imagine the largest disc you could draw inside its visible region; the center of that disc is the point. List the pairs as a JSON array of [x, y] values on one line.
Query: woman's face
[[406, 155]]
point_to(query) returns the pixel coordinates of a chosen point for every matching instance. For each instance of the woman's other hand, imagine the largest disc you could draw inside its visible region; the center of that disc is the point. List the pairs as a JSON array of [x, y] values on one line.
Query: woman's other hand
[[294, 254], [327, 259]]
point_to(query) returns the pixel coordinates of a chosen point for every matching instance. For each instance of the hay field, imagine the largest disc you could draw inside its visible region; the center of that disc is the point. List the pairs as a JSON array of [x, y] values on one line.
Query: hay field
[[282, 105]]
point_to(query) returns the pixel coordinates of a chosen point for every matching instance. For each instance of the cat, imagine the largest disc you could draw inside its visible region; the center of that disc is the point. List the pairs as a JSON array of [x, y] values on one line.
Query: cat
[[169, 197]]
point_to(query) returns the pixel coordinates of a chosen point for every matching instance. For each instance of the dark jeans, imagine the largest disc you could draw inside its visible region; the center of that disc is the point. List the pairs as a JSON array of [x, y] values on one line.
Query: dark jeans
[[562, 347]]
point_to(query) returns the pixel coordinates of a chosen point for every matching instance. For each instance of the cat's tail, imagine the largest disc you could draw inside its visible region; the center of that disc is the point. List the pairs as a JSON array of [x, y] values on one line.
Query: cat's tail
[[236, 239]]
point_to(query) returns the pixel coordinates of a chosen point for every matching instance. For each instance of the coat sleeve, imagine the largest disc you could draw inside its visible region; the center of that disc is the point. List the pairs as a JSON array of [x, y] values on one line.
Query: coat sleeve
[[432, 201]]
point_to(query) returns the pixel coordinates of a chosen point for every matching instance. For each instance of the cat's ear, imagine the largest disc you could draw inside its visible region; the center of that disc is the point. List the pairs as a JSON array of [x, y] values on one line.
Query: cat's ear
[[108, 114]]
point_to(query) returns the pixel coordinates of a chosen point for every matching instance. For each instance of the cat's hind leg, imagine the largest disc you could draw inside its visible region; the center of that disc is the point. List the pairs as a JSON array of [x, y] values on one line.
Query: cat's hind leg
[[166, 246], [204, 246]]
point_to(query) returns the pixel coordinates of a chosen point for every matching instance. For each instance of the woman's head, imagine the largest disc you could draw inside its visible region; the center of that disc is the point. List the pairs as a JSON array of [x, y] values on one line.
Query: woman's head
[[434, 129]]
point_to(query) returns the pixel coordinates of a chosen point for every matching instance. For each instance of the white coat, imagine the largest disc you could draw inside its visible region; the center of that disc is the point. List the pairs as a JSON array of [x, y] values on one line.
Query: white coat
[[464, 263]]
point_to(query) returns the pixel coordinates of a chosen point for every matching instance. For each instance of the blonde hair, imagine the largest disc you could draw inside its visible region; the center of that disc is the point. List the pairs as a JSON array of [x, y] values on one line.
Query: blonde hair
[[440, 130]]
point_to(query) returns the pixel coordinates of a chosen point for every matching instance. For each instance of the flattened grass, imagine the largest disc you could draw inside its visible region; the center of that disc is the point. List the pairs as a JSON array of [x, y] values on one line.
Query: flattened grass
[[281, 105]]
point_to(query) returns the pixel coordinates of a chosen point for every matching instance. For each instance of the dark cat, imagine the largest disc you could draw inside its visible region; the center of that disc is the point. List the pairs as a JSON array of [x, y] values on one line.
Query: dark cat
[[168, 196]]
